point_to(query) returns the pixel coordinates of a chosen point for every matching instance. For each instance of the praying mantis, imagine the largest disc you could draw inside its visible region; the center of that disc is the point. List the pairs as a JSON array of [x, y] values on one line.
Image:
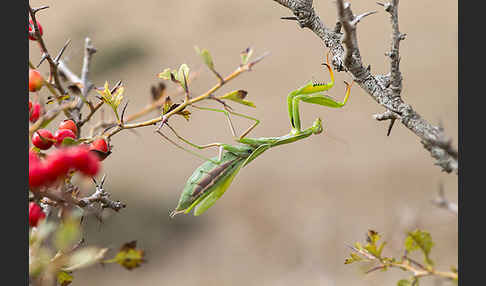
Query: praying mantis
[[210, 180]]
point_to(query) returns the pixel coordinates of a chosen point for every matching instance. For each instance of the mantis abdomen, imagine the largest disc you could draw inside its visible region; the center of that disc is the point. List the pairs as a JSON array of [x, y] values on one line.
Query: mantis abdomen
[[208, 183]]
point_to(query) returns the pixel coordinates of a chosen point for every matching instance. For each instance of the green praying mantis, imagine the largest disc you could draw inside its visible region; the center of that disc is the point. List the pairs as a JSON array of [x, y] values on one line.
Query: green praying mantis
[[210, 180]]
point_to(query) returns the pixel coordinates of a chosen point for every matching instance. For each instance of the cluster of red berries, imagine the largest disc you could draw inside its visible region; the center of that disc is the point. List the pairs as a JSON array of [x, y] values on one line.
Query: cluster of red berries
[[35, 214], [43, 138], [58, 163]]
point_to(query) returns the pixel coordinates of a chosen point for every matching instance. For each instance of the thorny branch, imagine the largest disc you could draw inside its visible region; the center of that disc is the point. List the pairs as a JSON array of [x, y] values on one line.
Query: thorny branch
[[384, 89], [67, 194], [86, 85], [45, 55], [188, 101]]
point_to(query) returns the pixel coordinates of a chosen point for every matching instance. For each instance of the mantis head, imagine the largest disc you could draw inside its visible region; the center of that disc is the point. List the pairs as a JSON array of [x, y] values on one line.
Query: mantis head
[[317, 126]]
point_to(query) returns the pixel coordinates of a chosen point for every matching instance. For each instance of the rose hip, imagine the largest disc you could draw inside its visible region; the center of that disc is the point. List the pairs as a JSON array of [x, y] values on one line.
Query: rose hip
[[43, 139]]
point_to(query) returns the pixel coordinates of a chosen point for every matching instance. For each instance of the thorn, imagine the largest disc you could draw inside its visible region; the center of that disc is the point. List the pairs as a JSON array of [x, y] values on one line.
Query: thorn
[[387, 6], [162, 122], [123, 112], [43, 58], [390, 126], [117, 85], [56, 59], [258, 59], [35, 10], [358, 18], [290, 18], [103, 180]]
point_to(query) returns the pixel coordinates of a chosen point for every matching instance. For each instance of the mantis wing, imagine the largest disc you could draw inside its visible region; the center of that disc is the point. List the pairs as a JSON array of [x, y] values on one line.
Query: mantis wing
[[216, 191]]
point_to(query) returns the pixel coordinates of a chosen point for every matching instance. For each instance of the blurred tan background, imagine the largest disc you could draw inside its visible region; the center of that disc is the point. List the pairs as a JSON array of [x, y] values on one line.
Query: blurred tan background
[[287, 217]]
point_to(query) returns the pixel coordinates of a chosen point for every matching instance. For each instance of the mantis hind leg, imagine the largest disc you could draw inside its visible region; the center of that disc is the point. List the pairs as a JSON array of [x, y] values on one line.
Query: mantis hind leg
[[227, 114], [194, 145]]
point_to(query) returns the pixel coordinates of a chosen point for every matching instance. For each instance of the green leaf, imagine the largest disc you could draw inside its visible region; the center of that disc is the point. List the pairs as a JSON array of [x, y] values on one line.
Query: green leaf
[[245, 56], [238, 96], [64, 278], [420, 240], [166, 74], [206, 56], [404, 282], [114, 100], [183, 70], [85, 257], [35, 149], [68, 141]]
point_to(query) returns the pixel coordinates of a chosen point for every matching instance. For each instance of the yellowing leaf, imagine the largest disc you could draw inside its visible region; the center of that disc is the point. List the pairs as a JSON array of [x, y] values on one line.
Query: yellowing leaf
[[404, 282], [354, 257], [64, 278], [238, 96], [128, 256], [185, 113], [166, 107]]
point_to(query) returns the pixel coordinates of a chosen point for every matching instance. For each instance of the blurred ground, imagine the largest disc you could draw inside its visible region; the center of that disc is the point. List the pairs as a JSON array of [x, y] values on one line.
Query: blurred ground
[[286, 218]]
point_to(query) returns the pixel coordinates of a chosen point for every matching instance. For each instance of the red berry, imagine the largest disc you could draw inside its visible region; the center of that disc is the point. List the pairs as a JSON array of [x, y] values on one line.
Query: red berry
[[84, 160], [92, 167], [35, 214], [31, 29], [30, 106], [69, 124], [99, 145], [58, 164], [79, 156], [61, 134], [35, 113], [33, 158], [43, 139], [35, 80], [37, 173]]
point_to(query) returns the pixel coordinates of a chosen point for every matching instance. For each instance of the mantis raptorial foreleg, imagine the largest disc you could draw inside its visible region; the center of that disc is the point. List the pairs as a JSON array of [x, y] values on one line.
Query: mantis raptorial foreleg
[[320, 99], [227, 114]]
